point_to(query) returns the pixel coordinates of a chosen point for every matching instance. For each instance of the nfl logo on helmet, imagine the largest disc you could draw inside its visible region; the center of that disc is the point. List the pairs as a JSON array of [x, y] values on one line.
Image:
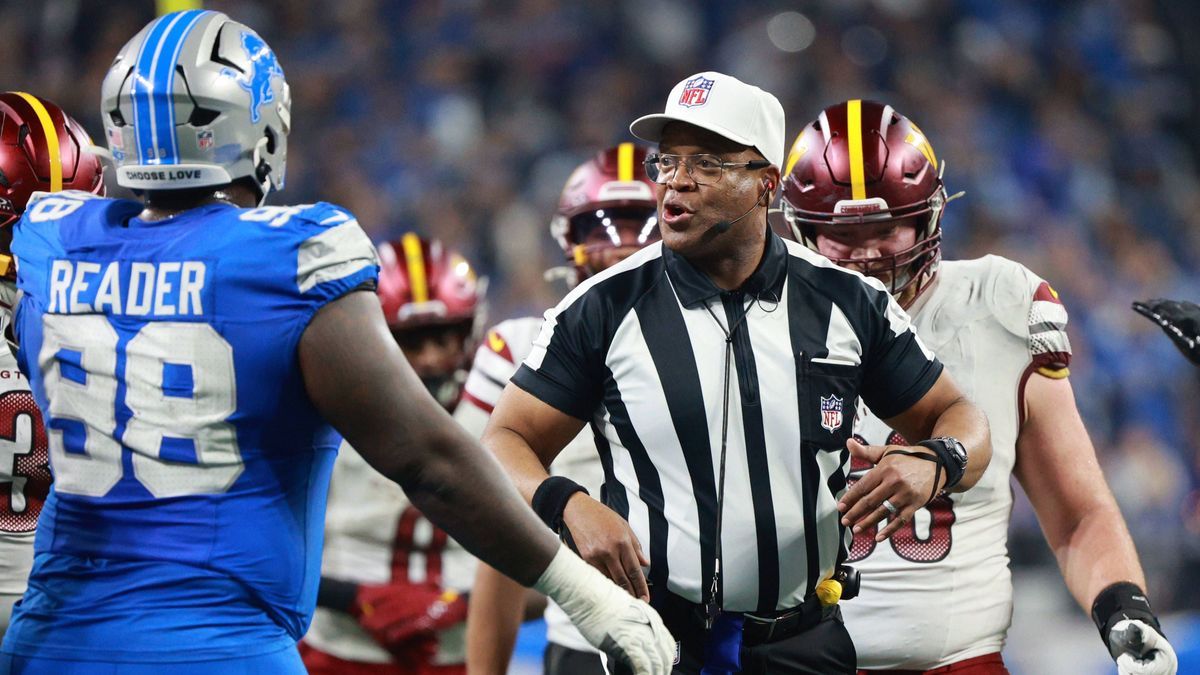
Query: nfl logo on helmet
[[831, 413], [695, 91]]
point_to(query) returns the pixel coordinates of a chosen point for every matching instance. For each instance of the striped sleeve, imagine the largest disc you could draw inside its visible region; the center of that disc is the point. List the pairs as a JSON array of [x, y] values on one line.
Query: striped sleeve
[[495, 362], [565, 367], [899, 369], [1049, 346], [335, 257]]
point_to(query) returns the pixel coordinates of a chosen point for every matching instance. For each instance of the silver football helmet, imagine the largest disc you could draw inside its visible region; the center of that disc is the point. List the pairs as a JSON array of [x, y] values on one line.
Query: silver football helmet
[[196, 99]]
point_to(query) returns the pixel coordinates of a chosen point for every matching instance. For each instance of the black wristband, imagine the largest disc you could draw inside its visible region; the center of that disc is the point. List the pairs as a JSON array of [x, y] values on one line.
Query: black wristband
[[954, 470], [1120, 601], [550, 499]]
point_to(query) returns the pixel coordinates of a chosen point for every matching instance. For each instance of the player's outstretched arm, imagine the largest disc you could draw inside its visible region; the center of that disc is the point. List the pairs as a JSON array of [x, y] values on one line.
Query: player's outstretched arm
[[360, 382], [1057, 467]]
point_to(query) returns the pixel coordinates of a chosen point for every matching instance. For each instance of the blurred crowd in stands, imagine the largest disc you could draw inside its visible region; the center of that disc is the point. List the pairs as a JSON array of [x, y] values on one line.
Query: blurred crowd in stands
[[1070, 125]]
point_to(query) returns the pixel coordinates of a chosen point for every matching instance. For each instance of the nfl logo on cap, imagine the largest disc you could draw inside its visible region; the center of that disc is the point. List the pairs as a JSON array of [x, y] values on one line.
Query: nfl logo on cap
[[831, 413], [204, 139], [695, 92]]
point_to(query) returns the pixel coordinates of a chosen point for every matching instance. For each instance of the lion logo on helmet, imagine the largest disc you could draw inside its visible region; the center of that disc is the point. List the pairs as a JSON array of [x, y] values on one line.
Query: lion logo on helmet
[[263, 66]]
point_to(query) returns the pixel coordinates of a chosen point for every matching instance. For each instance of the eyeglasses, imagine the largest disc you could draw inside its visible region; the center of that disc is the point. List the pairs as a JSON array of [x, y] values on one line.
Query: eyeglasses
[[703, 169]]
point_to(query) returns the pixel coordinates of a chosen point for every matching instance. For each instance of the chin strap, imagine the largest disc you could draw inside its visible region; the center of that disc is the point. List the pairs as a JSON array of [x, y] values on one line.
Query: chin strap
[[262, 171]]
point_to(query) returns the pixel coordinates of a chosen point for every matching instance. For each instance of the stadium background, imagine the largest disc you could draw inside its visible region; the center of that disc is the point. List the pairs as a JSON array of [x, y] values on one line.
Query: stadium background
[[1072, 126]]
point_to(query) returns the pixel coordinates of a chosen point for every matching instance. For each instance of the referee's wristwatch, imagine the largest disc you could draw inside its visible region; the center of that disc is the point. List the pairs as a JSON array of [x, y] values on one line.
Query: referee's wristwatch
[[953, 456]]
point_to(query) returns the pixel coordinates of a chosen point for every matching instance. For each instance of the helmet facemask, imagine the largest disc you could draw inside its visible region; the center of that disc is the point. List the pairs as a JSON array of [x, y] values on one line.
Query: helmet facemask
[[597, 236], [907, 273], [445, 383], [863, 163], [606, 211]]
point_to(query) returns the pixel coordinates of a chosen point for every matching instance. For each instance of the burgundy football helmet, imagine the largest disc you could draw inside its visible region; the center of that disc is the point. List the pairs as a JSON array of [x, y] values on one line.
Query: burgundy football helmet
[[425, 289], [42, 149], [863, 162], [608, 203]]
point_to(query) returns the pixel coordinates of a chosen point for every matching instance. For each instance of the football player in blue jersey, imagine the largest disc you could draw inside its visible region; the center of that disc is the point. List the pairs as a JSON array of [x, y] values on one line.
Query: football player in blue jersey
[[192, 353]]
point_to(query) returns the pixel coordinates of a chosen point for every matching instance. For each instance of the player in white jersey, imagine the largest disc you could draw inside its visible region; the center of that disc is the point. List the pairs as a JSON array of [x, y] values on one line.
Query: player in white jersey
[[42, 149], [605, 213], [863, 187], [393, 588]]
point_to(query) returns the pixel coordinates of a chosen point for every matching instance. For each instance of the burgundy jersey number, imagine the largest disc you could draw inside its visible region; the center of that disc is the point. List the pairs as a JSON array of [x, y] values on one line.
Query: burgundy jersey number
[[24, 462], [907, 543]]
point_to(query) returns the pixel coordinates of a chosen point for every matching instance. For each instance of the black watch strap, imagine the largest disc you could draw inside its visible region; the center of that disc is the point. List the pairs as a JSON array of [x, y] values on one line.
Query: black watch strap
[[955, 467]]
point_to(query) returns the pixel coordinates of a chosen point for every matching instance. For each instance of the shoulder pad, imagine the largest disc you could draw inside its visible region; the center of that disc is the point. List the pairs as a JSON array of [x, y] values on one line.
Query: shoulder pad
[[1004, 290], [334, 245], [1028, 307], [322, 214], [512, 339]]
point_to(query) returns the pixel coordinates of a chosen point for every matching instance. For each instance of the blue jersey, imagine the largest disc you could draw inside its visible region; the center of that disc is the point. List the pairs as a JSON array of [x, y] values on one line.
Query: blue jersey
[[190, 466]]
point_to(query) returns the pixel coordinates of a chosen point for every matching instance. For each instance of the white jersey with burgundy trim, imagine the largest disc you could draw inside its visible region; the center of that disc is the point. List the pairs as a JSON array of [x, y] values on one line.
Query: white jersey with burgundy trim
[[504, 348], [24, 473], [374, 535], [24, 464], [939, 591]]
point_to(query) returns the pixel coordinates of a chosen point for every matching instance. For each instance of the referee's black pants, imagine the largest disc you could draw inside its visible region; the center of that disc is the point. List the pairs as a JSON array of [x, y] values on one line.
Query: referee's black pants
[[823, 649], [560, 660]]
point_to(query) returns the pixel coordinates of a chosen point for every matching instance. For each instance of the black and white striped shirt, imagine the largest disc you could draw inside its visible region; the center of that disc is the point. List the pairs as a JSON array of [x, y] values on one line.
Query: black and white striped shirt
[[638, 351]]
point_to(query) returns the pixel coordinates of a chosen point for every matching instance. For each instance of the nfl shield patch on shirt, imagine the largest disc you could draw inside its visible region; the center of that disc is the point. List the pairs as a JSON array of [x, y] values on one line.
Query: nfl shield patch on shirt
[[831, 413]]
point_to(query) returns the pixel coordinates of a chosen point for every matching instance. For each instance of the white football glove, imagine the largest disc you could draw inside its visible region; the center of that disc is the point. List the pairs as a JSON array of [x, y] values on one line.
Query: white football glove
[[625, 628], [1141, 650]]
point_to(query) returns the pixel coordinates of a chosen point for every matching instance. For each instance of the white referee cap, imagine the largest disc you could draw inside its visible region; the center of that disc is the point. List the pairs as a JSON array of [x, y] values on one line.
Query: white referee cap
[[726, 106]]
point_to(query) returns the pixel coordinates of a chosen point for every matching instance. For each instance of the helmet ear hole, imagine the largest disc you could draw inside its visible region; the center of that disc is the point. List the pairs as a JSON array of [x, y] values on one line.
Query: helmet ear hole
[[202, 117], [270, 134]]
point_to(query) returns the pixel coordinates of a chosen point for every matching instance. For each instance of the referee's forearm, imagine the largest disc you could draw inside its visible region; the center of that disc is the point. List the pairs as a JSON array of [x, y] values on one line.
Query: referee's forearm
[[517, 457], [966, 422]]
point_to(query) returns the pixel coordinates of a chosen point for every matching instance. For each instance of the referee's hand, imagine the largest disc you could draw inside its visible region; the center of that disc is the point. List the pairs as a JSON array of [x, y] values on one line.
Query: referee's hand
[[607, 542], [904, 482]]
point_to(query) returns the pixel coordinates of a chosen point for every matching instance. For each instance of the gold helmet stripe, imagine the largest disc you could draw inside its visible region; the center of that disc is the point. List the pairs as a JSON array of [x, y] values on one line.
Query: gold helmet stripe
[[858, 183], [416, 267], [625, 162], [918, 139], [795, 154], [52, 148]]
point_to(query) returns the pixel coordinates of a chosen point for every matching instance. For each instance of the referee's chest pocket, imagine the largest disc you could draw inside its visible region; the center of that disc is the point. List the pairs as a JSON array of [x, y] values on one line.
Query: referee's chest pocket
[[828, 393]]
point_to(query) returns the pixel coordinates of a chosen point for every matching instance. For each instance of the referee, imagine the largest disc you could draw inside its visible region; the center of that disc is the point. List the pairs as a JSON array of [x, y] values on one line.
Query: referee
[[720, 371]]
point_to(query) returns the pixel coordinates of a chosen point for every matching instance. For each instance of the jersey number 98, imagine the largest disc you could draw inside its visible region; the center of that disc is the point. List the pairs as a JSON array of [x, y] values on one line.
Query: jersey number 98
[[178, 388]]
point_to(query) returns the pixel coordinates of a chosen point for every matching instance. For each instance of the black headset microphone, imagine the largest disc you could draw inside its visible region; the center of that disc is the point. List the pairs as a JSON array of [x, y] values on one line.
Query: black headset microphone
[[722, 226]]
